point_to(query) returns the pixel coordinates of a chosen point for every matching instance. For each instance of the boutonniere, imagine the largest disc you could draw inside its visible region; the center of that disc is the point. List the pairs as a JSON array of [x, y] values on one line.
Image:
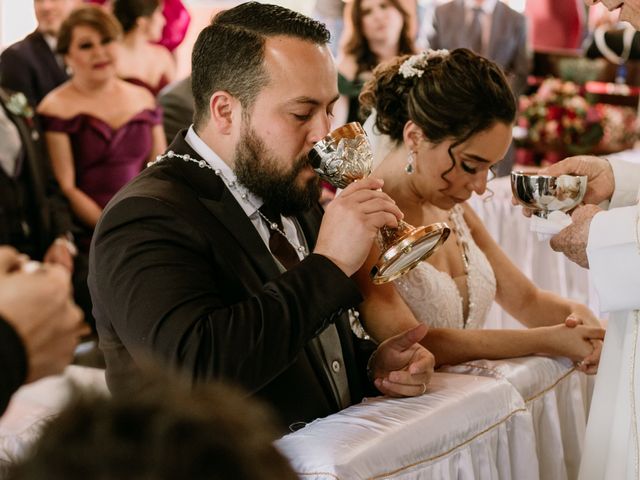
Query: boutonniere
[[19, 106]]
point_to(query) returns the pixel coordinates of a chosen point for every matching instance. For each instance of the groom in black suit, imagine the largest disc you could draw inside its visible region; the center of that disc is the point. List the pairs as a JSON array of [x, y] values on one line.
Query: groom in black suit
[[30, 66], [217, 260]]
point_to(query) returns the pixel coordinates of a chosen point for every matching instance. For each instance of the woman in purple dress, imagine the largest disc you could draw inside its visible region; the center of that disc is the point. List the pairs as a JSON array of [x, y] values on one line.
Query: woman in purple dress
[[140, 60], [99, 129]]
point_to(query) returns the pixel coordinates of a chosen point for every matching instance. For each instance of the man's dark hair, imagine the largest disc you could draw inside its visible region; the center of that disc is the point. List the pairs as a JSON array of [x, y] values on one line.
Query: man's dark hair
[[228, 54], [162, 430]]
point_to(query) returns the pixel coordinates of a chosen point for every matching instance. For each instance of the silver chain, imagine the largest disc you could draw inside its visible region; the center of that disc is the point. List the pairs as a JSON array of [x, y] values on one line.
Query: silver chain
[[233, 185]]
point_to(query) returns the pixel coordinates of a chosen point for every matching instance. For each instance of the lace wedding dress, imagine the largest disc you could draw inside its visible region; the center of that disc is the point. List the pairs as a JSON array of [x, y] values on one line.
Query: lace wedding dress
[[434, 297]]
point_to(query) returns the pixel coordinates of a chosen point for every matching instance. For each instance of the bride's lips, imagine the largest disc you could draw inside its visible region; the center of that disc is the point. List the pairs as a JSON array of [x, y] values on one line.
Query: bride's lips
[[101, 65]]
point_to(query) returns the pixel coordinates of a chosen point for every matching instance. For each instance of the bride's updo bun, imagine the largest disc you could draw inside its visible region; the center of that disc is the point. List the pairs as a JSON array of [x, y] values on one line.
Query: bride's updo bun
[[447, 94]]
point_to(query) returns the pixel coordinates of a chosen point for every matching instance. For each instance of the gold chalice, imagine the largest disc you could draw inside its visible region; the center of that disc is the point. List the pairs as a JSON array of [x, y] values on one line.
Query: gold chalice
[[345, 156]]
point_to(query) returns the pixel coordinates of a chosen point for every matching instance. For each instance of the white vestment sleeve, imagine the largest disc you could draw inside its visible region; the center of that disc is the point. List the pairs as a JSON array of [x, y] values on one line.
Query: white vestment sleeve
[[614, 258], [613, 250], [627, 181]]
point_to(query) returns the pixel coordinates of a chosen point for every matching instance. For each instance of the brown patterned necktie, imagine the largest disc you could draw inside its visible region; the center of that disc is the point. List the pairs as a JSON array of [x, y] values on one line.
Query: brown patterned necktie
[[280, 247]]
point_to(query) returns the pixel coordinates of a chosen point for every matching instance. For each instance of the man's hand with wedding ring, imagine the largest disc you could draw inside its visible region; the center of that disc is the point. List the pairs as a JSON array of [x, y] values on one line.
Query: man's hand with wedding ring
[[401, 367]]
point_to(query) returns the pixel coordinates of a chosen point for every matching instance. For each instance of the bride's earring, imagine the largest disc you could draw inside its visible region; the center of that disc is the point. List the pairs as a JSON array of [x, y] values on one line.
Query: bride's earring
[[411, 160]]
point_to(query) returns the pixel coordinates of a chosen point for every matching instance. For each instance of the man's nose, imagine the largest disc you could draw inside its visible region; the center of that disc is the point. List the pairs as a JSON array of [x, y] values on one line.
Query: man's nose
[[320, 127]]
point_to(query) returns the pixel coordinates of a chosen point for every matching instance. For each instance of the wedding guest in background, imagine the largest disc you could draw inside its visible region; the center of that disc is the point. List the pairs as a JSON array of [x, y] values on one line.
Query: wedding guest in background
[[556, 25], [176, 17], [330, 12], [205, 283], [164, 429], [380, 31], [40, 326], [448, 116], [177, 20], [139, 60], [410, 6], [177, 107], [489, 28], [100, 130], [35, 217], [31, 66]]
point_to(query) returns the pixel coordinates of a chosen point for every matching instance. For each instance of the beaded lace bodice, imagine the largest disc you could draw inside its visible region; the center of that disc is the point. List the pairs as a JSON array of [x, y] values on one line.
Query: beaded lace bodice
[[433, 296]]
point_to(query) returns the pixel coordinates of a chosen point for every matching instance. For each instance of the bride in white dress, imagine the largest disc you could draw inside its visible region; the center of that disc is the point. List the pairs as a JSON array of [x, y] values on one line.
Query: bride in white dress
[[446, 118]]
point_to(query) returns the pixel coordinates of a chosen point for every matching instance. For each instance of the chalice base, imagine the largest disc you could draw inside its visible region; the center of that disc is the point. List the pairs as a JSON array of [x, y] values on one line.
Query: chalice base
[[404, 247]]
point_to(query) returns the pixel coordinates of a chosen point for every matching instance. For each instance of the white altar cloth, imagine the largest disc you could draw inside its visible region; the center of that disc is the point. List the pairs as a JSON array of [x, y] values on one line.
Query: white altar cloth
[[36, 403], [464, 428], [558, 399]]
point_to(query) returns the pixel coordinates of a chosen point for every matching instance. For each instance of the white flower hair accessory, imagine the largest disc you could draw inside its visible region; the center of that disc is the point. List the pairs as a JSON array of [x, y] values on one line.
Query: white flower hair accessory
[[414, 65]]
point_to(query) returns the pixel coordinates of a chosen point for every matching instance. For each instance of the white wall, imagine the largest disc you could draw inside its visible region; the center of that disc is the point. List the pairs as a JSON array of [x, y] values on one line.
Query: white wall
[[16, 20]]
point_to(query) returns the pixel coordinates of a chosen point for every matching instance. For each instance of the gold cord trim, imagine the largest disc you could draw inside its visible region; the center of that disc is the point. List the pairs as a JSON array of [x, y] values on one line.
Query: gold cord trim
[[427, 460], [634, 419]]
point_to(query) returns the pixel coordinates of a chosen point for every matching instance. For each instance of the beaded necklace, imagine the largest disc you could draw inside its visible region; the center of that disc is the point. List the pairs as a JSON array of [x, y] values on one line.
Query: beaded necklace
[[232, 185]]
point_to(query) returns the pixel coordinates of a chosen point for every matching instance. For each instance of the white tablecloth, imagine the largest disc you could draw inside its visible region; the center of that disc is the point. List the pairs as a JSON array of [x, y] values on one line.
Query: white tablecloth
[[515, 419], [465, 427], [35, 404], [558, 399]]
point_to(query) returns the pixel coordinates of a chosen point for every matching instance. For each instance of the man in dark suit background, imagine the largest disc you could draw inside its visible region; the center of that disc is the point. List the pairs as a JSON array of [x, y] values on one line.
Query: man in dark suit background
[[30, 66], [177, 107], [185, 266], [34, 214], [489, 28]]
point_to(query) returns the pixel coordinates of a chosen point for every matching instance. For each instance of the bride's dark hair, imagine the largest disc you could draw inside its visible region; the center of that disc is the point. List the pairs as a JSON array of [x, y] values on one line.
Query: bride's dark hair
[[457, 96]]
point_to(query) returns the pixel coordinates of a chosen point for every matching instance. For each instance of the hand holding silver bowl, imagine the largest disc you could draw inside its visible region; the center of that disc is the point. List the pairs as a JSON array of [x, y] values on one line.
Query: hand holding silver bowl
[[344, 156], [546, 193]]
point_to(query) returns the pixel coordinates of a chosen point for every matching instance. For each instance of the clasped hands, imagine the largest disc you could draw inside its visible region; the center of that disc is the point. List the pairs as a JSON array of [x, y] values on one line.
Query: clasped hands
[[401, 367]]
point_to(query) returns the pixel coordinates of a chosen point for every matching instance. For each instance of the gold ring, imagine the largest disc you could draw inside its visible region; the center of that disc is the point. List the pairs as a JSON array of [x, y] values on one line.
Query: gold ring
[[424, 388]]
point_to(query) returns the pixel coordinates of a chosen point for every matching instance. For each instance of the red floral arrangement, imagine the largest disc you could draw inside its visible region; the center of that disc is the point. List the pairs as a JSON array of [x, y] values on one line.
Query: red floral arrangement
[[558, 121]]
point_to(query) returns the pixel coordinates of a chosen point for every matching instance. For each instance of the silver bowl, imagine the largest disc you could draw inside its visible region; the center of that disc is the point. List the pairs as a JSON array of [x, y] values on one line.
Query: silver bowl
[[546, 193]]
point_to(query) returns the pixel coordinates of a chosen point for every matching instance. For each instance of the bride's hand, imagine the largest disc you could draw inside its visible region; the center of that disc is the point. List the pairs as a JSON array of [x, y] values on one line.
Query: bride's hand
[[589, 364], [576, 343]]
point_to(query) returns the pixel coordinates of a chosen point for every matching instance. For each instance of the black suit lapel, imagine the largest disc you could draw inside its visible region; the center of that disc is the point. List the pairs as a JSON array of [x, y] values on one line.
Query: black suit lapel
[[219, 201], [33, 170], [49, 66]]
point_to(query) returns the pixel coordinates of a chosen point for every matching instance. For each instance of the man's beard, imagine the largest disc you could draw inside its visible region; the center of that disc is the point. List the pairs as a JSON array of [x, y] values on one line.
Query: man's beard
[[260, 172]]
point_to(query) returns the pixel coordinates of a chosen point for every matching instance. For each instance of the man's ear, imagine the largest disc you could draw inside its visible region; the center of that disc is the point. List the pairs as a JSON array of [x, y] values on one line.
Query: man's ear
[[224, 110], [412, 136]]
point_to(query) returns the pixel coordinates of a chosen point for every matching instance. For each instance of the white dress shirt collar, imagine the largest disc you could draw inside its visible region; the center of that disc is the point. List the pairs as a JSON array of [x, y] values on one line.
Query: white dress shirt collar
[[488, 6], [249, 202]]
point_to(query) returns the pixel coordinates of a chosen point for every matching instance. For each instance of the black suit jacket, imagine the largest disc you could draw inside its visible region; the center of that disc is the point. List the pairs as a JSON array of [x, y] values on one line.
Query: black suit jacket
[[177, 108], [29, 66], [47, 210], [178, 270], [13, 362]]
